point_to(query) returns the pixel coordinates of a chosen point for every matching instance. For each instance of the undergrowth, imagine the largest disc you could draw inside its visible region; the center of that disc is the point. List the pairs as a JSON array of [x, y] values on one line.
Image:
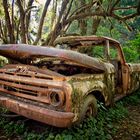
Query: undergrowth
[[100, 128]]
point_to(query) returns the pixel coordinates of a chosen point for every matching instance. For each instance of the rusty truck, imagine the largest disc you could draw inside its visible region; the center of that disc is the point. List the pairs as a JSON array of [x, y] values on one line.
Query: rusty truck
[[61, 85]]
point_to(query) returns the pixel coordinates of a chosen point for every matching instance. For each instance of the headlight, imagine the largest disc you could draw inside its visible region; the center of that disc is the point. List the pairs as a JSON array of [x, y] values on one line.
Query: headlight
[[56, 98]]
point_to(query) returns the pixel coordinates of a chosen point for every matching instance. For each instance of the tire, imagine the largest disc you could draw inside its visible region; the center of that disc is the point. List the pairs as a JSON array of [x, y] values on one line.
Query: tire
[[89, 108]]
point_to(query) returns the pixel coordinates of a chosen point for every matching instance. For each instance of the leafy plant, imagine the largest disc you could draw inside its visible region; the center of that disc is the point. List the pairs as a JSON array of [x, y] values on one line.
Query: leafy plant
[[132, 49], [101, 127]]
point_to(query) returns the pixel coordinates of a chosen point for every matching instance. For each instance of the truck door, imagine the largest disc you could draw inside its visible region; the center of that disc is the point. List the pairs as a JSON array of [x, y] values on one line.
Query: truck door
[[122, 70], [114, 59], [118, 69]]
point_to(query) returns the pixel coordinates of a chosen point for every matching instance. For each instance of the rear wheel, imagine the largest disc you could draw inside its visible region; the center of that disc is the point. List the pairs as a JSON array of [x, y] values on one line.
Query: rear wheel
[[89, 108]]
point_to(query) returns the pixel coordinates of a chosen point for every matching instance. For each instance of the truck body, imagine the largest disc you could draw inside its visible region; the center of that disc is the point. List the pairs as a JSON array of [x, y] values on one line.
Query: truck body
[[61, 86]]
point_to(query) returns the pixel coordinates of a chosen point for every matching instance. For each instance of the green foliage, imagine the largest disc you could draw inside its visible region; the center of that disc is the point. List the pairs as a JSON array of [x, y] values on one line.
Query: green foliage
[[73, 28], [132, 50], [104, 30], [131, 54], [1, 9], [136, 41], [133, 100], [103, 127], [13, 128], [3, 61]]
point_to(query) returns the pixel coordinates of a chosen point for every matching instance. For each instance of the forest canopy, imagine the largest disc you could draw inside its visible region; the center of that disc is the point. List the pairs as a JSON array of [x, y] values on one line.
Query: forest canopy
[[33, 22]]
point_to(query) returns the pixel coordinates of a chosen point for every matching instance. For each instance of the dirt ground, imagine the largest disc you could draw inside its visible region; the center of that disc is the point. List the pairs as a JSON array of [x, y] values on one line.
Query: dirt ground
[[129, 128]]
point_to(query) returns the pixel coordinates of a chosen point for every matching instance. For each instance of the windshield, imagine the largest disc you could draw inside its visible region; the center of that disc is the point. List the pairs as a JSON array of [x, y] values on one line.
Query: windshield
[[90, 48]]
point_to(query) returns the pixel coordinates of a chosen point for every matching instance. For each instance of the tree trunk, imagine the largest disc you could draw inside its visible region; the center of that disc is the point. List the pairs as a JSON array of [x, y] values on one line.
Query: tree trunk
[[28, 17], [53, 18], [96, 20], [22, 22], [39, 33], [83, 27], [95, 24], [82, 23], [11, 38], [58, 27]]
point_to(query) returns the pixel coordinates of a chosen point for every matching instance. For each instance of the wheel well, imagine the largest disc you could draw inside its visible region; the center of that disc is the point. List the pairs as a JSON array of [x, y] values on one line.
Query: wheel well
[[98, 95]]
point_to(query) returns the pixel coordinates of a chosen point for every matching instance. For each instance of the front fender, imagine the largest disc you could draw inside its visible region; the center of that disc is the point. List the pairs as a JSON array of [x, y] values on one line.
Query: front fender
[[100, 87]]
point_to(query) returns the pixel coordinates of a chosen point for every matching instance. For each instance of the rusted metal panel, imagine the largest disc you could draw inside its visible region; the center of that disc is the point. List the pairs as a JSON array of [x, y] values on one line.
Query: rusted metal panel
[[134, 67], [30, 85], [21, 52], [74, 40], [134, 77], [26, 69], [31, 81], [55, 118]]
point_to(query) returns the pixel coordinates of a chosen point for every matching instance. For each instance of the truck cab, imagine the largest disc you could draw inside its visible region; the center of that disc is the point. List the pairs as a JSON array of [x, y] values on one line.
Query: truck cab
[[110, 51]]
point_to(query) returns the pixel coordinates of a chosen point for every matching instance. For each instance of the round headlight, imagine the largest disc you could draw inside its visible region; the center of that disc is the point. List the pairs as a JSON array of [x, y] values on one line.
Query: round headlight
[[55, 99]]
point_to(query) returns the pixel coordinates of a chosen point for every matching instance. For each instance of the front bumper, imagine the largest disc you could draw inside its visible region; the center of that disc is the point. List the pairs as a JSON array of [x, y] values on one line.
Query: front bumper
[[48, 116]]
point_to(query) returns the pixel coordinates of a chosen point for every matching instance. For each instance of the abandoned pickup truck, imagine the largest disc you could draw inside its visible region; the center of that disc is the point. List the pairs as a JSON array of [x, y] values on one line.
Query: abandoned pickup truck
[[61, 86]]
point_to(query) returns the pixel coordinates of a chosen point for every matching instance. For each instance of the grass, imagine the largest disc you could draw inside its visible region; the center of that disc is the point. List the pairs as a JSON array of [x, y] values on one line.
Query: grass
[[101, 128]]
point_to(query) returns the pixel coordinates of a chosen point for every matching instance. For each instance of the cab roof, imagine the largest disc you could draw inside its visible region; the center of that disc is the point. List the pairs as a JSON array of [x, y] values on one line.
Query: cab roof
[[75, 40]]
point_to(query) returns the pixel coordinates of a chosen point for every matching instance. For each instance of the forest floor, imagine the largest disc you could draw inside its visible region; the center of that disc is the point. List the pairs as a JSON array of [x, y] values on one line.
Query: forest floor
[[127, 128]]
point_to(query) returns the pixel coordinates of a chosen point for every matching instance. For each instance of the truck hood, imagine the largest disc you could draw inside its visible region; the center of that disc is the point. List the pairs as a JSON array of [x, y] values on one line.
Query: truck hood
[[21, 52]]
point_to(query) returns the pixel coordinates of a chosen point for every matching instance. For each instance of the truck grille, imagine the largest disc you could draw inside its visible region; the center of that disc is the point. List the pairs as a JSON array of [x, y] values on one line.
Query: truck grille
[[27, 84]]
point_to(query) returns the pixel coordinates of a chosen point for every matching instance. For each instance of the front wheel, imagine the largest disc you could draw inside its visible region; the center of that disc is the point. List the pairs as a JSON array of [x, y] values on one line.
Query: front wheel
[[89, 108]]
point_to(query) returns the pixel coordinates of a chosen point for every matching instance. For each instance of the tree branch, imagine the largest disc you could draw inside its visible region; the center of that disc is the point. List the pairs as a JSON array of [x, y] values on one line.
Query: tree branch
[[1, 31], [8, 22], [17, 33], [125, 17], [83, 7], [138, 8], [66, 16], [96, 20], [101, 13], [13, 26], [22, 22], [128, 26], [68, 11], [54, 11], [28, 16], [76, 15], [39, 33], [58, 26], [125, 8], [112, 8], [84, 15]]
